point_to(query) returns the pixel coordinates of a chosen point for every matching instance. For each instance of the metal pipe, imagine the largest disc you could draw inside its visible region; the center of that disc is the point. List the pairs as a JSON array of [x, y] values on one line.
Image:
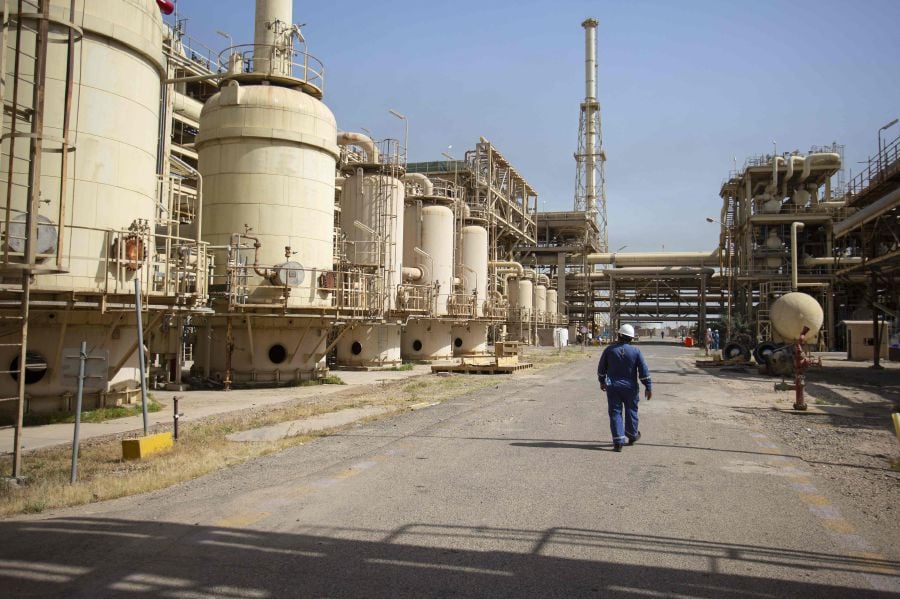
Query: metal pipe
[[498, 264], [423, 182], [140, 348], [656, 258], [832, 261], [795, 226], [866, 214], [412, 273], [186, 106], [348, 138], [79, 396]]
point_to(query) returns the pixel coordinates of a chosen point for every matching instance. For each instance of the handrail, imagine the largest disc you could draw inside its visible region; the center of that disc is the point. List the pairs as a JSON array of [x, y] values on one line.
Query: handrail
[[308, 70]]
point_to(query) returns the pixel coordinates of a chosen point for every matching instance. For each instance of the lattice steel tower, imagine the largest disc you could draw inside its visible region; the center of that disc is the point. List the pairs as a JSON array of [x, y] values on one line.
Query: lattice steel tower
[[590, 184]]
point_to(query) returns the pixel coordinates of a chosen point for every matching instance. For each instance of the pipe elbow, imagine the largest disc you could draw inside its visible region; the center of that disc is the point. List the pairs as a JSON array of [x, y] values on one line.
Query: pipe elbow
[[360, 140], [422, 181]]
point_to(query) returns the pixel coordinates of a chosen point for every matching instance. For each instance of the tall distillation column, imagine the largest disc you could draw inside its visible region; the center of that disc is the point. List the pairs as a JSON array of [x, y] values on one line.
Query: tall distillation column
[[267, 153]]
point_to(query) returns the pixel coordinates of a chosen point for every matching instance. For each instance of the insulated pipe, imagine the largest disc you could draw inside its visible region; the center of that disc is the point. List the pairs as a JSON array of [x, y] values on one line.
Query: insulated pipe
[[656, 258], [807, 168], [544, 280], [412, 273], [497, 264], [795, 226], [866, 214], [790, 173], [530, 274], [835, 261], [774, 185], [423, 182], [187, 106], [831, 205], [660, 270], [347, 138]]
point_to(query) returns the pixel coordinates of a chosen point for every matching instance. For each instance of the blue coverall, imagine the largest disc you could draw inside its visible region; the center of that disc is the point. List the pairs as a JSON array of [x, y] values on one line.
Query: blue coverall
[[619, 368]]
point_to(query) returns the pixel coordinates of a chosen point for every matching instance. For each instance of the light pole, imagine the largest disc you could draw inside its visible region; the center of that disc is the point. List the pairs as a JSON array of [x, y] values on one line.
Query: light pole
[[405, 134], [888, 126]]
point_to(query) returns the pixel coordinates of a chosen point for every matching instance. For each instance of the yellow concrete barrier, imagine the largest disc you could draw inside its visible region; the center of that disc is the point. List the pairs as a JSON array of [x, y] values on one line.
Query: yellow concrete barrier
[[896, 418], [136, 449]]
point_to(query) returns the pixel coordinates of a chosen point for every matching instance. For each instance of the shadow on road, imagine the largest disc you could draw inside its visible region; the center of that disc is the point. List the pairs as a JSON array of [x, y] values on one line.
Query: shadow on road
[[98, 557], [562, 445]]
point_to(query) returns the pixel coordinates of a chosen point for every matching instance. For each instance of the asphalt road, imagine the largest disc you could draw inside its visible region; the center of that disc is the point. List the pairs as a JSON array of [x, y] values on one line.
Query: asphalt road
[[514, 491]]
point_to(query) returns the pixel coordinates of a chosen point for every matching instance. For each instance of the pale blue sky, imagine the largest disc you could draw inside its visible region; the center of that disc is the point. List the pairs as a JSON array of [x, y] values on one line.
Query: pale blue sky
[[684, 87]]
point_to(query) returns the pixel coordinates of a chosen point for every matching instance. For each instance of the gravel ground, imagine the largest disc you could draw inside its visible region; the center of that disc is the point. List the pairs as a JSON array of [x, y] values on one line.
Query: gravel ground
[[852, 445]]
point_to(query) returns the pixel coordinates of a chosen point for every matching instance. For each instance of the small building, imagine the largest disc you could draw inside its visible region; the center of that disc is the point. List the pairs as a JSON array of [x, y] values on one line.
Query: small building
[[860, 341]]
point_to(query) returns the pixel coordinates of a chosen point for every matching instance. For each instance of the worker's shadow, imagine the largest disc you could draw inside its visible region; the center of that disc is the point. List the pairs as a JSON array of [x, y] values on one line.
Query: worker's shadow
[[563, 445]]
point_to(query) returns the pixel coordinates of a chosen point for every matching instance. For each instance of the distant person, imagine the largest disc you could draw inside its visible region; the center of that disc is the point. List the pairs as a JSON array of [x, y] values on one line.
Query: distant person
[[709, 340], [662, 334], [620, 367], [716, 339]]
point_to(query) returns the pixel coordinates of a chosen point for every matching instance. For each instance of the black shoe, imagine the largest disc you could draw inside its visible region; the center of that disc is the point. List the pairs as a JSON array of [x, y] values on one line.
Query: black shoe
[[633, 440], [617, 447]]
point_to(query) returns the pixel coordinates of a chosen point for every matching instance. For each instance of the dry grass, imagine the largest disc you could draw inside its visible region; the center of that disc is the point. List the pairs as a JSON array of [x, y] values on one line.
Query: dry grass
[[203, 448]]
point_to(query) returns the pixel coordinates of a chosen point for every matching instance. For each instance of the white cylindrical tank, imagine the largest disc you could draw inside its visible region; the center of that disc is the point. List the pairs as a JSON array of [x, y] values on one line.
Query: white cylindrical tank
[[114, 128], [773, 241], [430, 228], [552, 302], [793, 311], [540, 298], [375, 201], [525, 299], [512, 292], [426, 339], [267, 156], [475, 264]]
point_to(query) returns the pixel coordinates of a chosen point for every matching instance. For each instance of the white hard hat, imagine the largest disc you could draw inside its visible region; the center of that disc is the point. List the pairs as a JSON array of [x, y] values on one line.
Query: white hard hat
[[627, 330]]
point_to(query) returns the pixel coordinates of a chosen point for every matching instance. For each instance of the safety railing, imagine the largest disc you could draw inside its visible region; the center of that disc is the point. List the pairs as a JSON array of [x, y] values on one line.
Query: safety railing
[[885, 164], [461, 305], [415, 298], [277, 60]]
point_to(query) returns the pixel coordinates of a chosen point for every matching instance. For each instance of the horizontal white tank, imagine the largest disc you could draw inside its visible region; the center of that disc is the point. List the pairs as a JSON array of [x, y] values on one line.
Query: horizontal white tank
[[431, 229], [793, 311], [470, 338], [370, 345], [267, 156], [375, 201], [426, 339], [475, 264], [114, 128]]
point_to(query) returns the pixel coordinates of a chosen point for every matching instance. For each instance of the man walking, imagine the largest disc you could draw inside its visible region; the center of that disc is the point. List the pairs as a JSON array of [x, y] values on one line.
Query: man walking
[[620, 367]]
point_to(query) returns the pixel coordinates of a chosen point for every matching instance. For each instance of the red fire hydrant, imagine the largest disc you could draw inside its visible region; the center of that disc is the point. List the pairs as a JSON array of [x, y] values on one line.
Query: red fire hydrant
[[801, 363]]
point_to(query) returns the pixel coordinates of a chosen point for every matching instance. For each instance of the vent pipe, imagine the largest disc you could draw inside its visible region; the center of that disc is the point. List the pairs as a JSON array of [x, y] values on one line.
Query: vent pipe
[[590, 101]]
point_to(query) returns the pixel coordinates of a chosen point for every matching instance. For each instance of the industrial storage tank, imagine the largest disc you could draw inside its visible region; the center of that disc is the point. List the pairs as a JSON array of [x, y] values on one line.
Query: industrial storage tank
[[114, 125], [792, 312], [432, 230], [524, 295], [267, 155], [540, 298], [552, 303], [372, 223], [475, 265], [105, 198]]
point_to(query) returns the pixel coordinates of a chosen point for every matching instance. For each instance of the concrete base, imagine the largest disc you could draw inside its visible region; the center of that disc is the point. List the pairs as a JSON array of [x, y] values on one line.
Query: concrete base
[[370, 345], [426, 340], [470, 339]]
